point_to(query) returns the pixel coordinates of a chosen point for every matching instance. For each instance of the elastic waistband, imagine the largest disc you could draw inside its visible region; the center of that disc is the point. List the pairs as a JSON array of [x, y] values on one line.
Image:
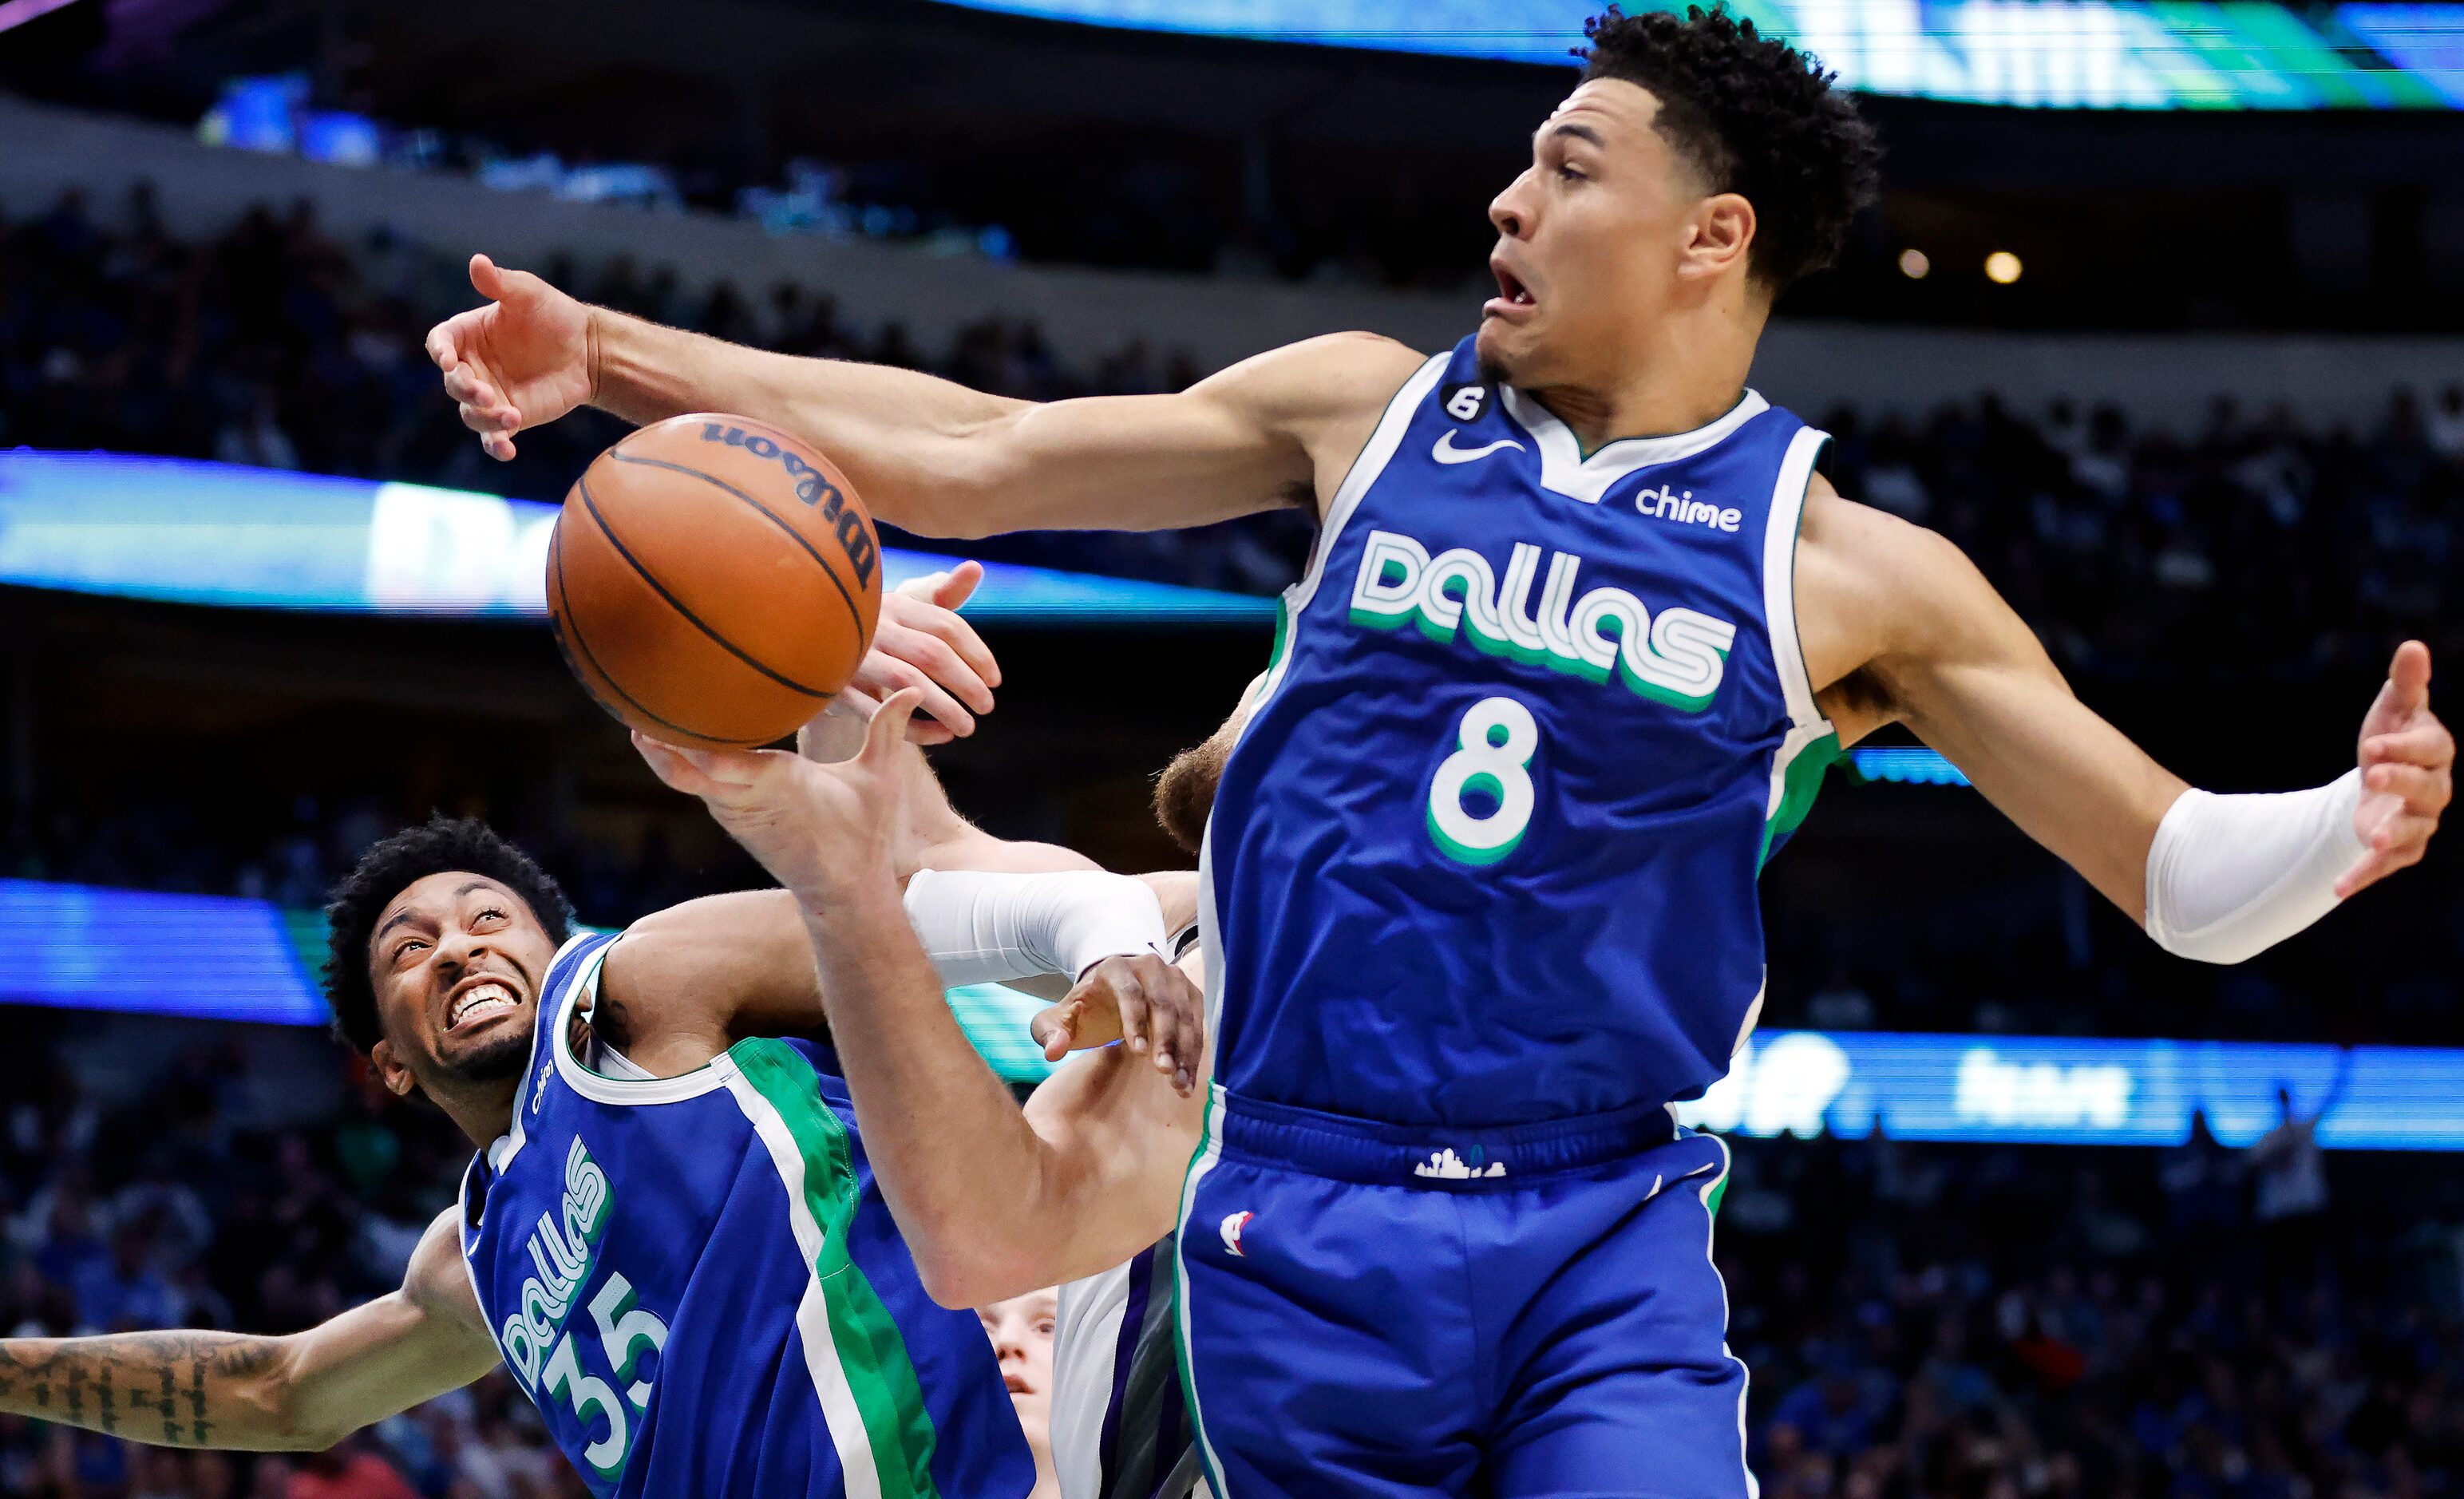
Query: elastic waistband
[[1371, 1152]]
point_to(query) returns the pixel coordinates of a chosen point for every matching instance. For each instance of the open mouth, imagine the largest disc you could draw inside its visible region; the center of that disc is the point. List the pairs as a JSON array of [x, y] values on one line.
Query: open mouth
[[1511, 292], [1017, 1384], [478, 999]]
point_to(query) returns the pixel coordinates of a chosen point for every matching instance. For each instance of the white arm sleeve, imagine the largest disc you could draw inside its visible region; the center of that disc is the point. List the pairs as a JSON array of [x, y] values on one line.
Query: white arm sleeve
[[984, 928], [2231, 876]]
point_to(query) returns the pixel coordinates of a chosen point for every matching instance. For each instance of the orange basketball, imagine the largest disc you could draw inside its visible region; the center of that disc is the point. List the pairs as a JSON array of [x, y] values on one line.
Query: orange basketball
[[712, 581]]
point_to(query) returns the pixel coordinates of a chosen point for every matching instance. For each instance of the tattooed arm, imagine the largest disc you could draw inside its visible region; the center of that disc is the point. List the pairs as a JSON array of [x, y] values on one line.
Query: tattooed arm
[[301, 1393]]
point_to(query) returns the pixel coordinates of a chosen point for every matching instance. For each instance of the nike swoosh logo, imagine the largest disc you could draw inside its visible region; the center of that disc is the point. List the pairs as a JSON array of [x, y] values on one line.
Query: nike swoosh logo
[[1446, 452]]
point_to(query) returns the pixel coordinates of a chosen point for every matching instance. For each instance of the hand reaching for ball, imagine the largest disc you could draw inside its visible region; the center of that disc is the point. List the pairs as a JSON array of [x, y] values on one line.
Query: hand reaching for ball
[[922, 643], [820, 830]]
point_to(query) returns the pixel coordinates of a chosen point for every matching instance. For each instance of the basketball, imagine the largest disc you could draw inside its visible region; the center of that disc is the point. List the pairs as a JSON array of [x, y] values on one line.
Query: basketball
[[712, 581]]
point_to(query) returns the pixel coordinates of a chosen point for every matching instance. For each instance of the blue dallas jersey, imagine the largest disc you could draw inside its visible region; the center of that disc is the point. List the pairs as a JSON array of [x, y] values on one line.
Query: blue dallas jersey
[[1486, 850], [698, 1283]]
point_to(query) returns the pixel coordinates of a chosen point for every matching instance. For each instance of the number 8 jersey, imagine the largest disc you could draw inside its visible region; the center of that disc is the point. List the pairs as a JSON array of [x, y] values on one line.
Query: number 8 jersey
[[698, 1283], [1486, 850]]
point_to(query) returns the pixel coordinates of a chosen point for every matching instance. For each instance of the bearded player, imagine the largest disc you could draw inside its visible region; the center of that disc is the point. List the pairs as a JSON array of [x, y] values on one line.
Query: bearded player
[[1581, 628], [671, 1236]]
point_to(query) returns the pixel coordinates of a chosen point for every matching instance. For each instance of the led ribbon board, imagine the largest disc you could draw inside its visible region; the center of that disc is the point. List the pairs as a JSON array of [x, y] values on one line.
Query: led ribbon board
[[225, 958], [191, 532], [2057, 54], [2033, 1090], [83, 947]]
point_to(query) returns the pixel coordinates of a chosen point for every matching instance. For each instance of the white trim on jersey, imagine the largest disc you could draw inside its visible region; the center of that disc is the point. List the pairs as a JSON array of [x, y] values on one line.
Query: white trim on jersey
[[1807, 725], [597, 1089], [1366, 470], [505, 1147], [840, 1413], [1086, 1343], [1210, 1149], [1565, 471], [1706, 1195], [1779, 582]]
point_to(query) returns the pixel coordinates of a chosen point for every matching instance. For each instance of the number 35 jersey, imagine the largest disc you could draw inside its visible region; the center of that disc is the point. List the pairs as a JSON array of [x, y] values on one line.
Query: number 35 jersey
[[1486, 850], [698, 1283]]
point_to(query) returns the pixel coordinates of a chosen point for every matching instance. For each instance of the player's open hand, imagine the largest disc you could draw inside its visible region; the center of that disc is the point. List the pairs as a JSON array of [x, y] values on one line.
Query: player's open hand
[[820, 830], [2408, 762], [922, 643], [1143, 1002], [521, 360]]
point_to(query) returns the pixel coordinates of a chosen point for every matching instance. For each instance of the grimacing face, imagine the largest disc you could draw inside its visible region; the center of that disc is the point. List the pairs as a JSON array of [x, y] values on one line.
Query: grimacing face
[[456, 961], [1597, 240]]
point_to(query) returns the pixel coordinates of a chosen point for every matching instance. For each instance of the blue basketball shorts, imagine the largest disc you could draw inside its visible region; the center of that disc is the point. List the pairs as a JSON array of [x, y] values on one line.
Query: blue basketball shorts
[[1371, 1310]]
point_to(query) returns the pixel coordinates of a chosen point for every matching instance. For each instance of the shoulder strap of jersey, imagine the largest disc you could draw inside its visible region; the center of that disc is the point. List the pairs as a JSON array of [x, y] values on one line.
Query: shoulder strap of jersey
[[554, 1012]]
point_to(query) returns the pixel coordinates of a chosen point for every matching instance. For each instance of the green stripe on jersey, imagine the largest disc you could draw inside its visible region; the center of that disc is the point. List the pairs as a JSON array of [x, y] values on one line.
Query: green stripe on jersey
[[1800, 785], [873, 1351]]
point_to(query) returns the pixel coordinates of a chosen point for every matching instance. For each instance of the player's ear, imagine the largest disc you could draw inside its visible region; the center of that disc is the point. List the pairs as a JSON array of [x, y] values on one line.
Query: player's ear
[[389, 1070], [1723, 231]]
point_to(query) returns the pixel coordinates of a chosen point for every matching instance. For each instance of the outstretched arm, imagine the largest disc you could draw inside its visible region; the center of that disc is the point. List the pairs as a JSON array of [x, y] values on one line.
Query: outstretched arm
[[926, 453], [1899, 626], [301, 1393], [992, 1202]]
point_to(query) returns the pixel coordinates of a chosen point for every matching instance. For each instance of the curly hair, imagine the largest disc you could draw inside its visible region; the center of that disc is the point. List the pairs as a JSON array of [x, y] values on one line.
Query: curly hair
[[439, 845], [1754, 117]]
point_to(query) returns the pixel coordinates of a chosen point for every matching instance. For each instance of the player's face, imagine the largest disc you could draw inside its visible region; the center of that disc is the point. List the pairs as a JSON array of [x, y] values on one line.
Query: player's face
[[1592, 240], [1021, 1329], [457, 961]]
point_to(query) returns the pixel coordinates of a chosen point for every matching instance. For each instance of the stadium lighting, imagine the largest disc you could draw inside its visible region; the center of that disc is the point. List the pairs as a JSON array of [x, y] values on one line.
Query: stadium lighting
[[17, 13], [2002, 268], [1915, 264]]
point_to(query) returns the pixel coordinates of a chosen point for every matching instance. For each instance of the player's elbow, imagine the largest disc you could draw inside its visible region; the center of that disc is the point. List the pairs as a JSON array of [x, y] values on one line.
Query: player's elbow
[[975, 1270], [267, 1408]]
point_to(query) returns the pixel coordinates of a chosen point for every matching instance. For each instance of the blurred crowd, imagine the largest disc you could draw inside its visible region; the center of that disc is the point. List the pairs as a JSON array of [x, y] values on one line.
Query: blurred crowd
[[2184, 1324], [170, 1210], [1998, 1323], [274, 345], [2133, 551]]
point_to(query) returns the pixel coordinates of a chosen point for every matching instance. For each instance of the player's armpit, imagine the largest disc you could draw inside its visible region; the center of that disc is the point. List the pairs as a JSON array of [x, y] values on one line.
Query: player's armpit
[[1898, 625], [301, 1393]]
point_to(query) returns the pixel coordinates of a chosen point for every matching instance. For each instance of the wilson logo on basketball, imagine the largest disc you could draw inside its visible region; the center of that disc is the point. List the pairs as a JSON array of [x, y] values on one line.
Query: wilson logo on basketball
[[813, 488]]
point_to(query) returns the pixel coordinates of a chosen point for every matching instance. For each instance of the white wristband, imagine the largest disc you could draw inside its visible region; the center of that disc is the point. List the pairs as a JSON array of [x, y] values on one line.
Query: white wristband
[[2231, 876], [982, 927]]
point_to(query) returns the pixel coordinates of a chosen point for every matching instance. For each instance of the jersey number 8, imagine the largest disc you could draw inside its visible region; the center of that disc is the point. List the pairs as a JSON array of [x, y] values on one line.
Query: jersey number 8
[[1497, 739]]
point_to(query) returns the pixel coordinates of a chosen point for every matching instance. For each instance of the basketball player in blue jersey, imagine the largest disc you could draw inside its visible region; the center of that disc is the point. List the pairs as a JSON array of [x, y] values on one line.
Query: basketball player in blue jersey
[[671, 1237], [1583, 626]]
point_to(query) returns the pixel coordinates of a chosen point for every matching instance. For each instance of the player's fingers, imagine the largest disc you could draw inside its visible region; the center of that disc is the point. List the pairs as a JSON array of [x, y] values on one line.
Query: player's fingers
[[1053, 1027], [1188, 1005], [2408, 675], [953, 630], [931, 653], [486, 280], [1170, 1021], [2423, 789], [953, 588], [442, 347], [669, 764], [936, 702], [2399, 828], [2425, 743], [496, 445], [2375, 866], [888, 725], [1130, 1002]]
